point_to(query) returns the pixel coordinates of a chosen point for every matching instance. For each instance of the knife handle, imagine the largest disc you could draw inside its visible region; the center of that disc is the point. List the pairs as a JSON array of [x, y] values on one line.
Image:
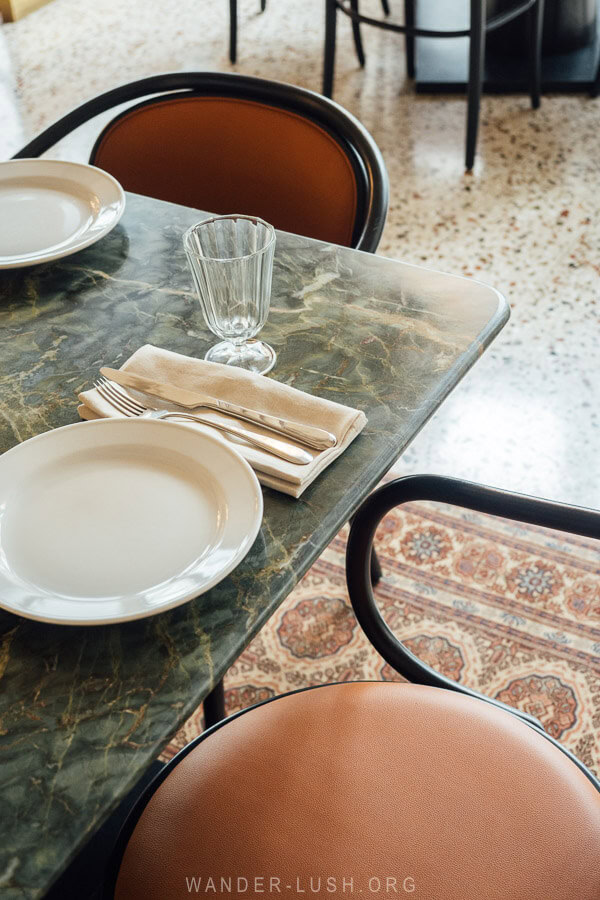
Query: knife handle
[[278, 448], [309, 435]]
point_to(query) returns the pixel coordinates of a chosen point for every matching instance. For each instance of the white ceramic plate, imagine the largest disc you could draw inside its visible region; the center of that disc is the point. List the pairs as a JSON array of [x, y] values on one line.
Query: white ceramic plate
[[50, 209], [120, 519]]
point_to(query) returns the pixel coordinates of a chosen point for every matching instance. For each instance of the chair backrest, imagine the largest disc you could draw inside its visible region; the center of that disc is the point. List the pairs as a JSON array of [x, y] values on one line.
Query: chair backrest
[[229, 143]]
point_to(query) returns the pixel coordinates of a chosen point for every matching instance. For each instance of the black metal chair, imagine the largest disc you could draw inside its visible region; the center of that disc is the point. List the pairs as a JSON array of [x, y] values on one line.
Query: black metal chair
[[480, 25], [233, 27], [223, 142], [518, 507], [233, 23], [444, 791], [365, 787]]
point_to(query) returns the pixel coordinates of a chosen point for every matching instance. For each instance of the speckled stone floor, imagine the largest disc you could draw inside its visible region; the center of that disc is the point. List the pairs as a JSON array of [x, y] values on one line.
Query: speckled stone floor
[[526, 221]]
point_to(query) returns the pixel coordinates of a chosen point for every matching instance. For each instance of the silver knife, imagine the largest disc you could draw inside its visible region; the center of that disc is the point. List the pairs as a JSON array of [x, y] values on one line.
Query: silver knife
[[309, 435]]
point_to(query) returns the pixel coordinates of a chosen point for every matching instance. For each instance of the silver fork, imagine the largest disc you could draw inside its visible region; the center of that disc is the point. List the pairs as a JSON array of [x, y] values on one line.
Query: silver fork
[[126, 405]]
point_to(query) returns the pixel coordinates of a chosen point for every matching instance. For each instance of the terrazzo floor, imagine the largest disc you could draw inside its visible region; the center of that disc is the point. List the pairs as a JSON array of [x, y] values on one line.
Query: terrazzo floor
[[526, 220]]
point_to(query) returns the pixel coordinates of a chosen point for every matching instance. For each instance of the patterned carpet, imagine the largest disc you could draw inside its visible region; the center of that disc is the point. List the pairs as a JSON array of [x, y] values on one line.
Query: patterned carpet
[[511, 610]]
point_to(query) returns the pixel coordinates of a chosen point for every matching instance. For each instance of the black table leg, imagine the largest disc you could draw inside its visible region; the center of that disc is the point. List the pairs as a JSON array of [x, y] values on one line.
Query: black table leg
[[376, 572], [214, 705], [596, 85]]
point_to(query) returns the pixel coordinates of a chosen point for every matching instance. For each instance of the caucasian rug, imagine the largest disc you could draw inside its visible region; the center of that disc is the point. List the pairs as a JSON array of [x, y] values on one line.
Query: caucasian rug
[[508, 609]]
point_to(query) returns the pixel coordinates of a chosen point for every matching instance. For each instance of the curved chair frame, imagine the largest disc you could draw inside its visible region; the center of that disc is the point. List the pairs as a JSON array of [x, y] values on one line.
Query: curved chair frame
[[350, 134], [479, 26], [575, 520]]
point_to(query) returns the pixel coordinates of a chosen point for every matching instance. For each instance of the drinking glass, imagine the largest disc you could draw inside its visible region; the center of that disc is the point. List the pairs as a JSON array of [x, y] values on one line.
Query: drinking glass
[[231, 258]]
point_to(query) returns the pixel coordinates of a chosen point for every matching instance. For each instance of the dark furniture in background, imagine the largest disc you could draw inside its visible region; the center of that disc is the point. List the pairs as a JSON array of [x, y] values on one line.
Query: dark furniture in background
[[521, 508], [223, 142], [567, 25], [570, 49], [233, 22], [480, 26]]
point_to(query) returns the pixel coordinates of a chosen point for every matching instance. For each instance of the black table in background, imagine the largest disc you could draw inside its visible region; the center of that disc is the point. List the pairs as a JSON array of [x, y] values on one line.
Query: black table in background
[[442, 63]]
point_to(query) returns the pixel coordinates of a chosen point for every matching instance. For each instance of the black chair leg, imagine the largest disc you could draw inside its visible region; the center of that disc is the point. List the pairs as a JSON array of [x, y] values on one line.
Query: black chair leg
[[329, 56], [385, 7], [233, 30], [214, 705], [233, 27], [536, 22], [409, 39], [356, 34], [476, 62]]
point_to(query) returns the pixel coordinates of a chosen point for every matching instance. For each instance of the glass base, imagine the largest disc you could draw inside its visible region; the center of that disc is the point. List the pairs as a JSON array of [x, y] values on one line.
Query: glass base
[[254, 356]]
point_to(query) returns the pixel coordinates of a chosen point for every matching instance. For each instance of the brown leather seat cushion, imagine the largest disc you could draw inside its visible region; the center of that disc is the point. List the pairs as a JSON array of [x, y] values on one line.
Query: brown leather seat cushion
[[225, 155], [442, 793]]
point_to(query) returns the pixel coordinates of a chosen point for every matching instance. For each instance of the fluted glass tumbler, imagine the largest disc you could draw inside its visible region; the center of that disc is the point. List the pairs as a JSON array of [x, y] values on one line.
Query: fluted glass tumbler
[[231, 258]]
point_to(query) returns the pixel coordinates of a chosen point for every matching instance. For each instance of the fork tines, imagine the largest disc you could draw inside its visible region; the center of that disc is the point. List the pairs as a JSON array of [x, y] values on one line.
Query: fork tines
[[118, 398]]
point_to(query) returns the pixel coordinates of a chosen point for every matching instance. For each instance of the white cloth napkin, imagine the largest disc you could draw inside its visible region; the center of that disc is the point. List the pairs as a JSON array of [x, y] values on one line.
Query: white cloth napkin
[[254, 391]]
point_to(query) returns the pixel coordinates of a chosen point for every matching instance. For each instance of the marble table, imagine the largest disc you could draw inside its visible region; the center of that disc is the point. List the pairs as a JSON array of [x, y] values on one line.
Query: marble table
[[84, 711]]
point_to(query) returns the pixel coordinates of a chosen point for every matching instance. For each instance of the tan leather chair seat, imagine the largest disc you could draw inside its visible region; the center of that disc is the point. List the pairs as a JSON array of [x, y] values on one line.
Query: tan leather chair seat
[[386, 789]]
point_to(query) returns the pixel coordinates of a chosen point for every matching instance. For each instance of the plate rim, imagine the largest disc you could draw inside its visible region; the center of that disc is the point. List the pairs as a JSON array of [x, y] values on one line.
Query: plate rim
[[44, 257], [239, 555]]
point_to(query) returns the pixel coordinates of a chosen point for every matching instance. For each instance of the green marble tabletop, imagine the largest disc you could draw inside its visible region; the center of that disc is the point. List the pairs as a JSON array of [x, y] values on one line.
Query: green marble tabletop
[[83, 711]]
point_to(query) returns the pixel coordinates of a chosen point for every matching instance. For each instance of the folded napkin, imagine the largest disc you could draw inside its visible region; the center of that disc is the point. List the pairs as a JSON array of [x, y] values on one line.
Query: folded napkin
[[254, 391]]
